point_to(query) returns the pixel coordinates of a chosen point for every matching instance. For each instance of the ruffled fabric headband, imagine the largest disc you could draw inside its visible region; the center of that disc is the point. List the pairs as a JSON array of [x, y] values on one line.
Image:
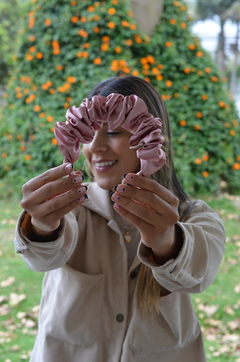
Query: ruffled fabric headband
[[130, 112]]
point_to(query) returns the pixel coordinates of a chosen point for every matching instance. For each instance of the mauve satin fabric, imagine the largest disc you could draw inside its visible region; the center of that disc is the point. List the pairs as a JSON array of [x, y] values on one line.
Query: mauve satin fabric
[[130, 112]]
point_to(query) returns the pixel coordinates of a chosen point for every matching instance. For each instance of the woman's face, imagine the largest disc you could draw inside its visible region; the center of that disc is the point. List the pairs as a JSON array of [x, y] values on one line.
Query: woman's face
[[109, 156]]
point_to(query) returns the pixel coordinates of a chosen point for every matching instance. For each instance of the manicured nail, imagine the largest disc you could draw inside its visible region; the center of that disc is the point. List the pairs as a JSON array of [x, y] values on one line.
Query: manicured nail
[[117, 206], [116, 197], [82, 190], [78, 179], [69, 167], [111, 194], [78, 172], [115, 187], [128, 177], [121, 189], [83, 198], [128, 184]]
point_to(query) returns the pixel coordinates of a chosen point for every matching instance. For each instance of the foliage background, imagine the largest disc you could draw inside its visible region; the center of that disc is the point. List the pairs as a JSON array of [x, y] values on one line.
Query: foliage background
[[66, 47], [10, 11], [206, 144]]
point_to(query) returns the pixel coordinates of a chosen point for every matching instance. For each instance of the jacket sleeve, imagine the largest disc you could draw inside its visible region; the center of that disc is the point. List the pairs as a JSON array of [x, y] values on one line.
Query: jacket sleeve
[[45, 256], [197, 264]]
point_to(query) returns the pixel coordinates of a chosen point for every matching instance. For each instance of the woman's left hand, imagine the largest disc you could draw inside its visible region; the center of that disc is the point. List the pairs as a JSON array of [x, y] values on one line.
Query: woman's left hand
[[153, 210]]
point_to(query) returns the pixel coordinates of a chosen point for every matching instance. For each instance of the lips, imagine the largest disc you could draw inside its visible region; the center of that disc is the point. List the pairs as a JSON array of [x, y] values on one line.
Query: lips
[[103, 166], [104, 163]]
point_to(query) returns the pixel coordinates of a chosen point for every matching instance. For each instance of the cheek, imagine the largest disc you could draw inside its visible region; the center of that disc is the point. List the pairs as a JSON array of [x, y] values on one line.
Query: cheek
[[132, 159]]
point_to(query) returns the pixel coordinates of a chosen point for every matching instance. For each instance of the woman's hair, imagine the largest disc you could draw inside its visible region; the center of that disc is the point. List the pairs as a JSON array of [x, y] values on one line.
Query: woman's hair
[[148, 288]]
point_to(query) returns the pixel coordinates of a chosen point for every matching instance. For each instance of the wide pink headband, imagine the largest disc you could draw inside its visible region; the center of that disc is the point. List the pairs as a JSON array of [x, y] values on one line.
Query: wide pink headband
[[130, 112]]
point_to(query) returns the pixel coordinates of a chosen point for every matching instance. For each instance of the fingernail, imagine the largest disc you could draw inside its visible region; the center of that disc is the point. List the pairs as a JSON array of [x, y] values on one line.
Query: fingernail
[[128, 184], [128, 177], [117, 206], [121, 189], [116, 197], [78, 179], [82, 190], [111, 194], [76, 173], [69, 167], [115, 187], [83, 198]]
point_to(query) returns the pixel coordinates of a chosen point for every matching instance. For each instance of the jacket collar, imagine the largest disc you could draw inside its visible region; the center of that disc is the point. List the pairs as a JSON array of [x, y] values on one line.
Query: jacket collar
[[99, 201]]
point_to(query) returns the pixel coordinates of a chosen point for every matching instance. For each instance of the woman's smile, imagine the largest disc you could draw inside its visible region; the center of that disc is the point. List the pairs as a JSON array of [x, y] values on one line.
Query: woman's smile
[[109, 156], [103, 165]]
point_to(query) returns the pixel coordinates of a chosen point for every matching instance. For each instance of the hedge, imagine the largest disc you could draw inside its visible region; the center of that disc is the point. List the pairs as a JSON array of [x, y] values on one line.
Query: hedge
[[66, 47]]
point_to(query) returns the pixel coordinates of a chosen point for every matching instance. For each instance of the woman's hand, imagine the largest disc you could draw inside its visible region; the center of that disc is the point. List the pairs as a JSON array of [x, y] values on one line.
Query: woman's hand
[[51, 195], [154, 211]]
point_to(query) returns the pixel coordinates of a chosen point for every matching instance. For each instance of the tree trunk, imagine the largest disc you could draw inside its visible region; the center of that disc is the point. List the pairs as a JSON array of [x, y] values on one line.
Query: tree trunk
[[220, 52], [147, 13], [233, 78]]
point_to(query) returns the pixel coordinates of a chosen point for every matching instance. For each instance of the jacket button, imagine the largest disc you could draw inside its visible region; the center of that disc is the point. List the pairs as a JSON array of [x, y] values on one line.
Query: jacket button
[[133, 274], [120, 318]]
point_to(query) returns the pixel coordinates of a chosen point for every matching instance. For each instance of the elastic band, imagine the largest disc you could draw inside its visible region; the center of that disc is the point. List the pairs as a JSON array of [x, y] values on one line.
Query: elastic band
[[130, 112]]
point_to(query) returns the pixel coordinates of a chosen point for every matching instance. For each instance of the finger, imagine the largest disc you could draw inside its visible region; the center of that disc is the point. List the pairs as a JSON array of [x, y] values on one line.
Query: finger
[[151, 186], [68, 208], [140, 210], [57, 188], [50, 190], [51, 221], [48, 214], [63, 200], [158, 211], [139, 223], [46, 177], [153, 229], [147, 198], [73, 178], [37, 205]]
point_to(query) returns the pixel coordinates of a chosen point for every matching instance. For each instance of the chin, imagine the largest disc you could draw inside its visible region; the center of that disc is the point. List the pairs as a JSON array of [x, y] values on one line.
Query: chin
[[105, 185]]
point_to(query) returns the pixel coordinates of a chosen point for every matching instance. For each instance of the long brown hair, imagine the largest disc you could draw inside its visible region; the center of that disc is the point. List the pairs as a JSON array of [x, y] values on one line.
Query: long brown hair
[[148, 291]]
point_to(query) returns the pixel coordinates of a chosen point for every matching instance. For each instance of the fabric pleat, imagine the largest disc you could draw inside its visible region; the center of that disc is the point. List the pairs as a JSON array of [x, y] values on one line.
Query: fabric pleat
[[129, 112]]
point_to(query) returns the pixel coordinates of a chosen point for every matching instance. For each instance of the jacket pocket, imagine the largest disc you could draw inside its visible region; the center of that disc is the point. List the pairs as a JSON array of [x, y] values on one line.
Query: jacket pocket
[[174, 327], [71, 305]]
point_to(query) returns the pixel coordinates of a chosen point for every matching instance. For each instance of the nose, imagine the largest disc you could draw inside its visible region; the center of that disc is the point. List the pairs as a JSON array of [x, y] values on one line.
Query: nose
[[98, 143]]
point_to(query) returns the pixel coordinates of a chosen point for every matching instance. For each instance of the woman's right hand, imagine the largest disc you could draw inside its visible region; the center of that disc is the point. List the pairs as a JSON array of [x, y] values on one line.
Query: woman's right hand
[[51, 195]]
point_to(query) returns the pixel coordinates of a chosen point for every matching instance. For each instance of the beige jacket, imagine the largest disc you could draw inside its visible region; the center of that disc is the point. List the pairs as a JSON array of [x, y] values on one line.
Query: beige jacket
[[88, 308]]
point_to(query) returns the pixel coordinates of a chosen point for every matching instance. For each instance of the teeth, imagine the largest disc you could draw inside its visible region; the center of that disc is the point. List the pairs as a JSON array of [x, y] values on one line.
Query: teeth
[[101, 164]]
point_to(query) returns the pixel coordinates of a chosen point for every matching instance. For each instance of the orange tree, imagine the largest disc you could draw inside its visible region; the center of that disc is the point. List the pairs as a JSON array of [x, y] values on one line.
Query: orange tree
[[66, 47]]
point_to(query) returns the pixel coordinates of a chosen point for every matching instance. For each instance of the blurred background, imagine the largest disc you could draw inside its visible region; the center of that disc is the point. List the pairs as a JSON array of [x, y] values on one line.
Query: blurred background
[[216, 23], [51, 54], [188, 50]]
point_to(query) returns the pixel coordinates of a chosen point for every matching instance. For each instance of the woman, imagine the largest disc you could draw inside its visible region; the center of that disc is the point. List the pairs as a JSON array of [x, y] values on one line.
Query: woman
[[121, 263]]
